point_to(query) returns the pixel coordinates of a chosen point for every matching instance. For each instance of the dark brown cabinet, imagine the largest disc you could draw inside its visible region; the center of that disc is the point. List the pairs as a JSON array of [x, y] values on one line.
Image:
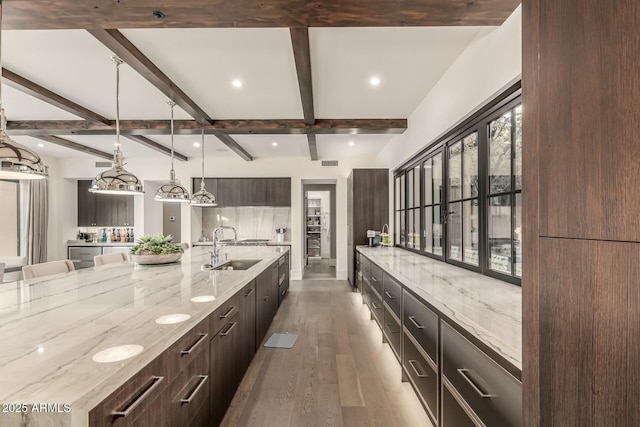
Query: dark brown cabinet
[[226, 367], [103, 210], [248, 191], [283, 278], [266, 301], [367, 209], [248, 323]]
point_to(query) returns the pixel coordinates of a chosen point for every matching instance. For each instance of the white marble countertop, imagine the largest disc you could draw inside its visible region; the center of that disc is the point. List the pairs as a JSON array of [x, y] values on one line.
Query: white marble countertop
[[489, 309], [52, 327], [83, 243]]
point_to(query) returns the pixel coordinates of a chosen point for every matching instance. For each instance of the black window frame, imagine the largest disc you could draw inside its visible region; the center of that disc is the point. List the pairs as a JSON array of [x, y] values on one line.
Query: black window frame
[[476, 122]]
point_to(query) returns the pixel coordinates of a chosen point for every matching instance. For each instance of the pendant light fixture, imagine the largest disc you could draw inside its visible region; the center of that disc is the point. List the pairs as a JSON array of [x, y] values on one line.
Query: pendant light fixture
[[203, 198], [117, 180], [172, 191], [16, 160]]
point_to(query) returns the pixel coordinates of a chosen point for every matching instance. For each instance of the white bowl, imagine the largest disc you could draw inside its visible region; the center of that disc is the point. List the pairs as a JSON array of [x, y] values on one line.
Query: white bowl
[[156, 259]]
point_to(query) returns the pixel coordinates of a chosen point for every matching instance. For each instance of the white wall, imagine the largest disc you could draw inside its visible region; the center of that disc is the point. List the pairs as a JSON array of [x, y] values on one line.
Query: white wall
[[491, 62], [154, 170]]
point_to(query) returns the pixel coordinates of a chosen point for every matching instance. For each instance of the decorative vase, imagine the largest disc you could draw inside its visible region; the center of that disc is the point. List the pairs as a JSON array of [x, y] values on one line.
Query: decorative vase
[[156, 259]]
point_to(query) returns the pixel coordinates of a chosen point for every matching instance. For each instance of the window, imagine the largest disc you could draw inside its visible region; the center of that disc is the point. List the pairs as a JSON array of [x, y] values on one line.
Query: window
[[9, 219], [504, 194], [461, 202]]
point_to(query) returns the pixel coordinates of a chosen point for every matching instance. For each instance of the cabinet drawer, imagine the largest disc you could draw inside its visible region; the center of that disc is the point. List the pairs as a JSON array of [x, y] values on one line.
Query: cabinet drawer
[[452, 413], [223, 314], [423, 375], [376, 307], [376, 279], [189, 391], [366, 293], [491, 392], [423, 325], [187, 348], [140, 401], [392, 294], [393, 331]]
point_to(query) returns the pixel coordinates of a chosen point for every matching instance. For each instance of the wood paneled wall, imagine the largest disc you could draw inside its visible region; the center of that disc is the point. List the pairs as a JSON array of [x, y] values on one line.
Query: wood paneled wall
[[581, 166]]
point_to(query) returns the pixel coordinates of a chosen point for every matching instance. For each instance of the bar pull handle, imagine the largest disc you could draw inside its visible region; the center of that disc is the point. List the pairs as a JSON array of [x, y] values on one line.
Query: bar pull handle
[[251, 291], [389, 325], [413, 364], [225, 333], [376, 306], [155, 383], [389, 294], [413, 320], [187, 400], [374, 278], [195, 344], [473, 385], [228, 313]]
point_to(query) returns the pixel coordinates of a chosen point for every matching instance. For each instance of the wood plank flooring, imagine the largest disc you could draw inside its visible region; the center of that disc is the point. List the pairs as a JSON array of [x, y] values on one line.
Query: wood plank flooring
[[339, 373]]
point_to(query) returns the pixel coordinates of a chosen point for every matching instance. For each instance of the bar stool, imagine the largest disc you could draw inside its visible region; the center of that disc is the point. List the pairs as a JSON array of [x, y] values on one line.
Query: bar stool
[[112, 258], [47, 269]]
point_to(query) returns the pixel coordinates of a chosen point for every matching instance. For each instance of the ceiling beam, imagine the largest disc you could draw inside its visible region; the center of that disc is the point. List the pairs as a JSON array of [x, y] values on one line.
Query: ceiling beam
[[80, 14], [122, 47], [233, 146], [313, 148], [143, 140], [74, 146], [30, 88], [191, 127], [302, 55]]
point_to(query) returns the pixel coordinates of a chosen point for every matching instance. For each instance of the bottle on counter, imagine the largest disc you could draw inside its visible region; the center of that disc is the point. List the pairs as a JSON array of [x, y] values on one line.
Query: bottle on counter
[[118, 235], [113, 235], [104, 235], [128, 236], [123, 236]]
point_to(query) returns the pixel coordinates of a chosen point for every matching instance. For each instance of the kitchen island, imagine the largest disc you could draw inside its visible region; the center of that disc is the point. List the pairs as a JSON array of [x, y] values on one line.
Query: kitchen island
[[54, 329]]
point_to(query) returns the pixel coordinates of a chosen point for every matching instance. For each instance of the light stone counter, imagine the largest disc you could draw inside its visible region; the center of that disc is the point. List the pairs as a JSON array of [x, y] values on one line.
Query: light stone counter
[[99, 244], [269, 243], [489, 309], [51, 328]]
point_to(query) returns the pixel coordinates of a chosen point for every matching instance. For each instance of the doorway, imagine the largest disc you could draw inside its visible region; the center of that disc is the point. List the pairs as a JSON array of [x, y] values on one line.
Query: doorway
[[319, 221]]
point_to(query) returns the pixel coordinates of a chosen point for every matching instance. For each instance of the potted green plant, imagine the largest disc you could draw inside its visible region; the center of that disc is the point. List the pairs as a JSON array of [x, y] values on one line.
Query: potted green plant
[[156, 249]]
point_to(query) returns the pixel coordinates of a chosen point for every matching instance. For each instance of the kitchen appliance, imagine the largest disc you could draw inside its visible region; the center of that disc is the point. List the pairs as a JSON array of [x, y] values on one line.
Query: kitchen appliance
[[374, 238], [280, 234]]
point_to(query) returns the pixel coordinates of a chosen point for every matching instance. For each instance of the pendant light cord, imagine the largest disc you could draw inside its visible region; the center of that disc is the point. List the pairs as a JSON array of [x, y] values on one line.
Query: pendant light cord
[[117, 103], [173, 173], [202, 182]]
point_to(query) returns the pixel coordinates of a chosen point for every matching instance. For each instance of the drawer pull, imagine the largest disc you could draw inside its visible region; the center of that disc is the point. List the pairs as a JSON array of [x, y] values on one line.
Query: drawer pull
[[225, 333], [251, 291], [155, 382], [375, 306], [413, 320], [389, 294], [373, 278], [228, 313], [266, 298], [413, 364], [195, 344], [187, 400], [473, 385]]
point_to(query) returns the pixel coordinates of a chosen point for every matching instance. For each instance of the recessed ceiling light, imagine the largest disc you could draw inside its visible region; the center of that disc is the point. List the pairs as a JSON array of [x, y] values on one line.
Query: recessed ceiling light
[[351, 143], [237, 83], [40, 144], [196, 144], [274, 143], [374, 81]]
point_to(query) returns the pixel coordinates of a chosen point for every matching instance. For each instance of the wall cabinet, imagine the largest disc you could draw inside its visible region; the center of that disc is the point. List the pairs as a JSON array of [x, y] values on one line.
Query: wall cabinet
[[248, 191], [457, 383], [367, 209], [103, 210]]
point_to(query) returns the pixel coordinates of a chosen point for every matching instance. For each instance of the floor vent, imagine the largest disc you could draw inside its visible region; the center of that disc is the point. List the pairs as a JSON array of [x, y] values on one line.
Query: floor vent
[[103, 164], [329, 163]]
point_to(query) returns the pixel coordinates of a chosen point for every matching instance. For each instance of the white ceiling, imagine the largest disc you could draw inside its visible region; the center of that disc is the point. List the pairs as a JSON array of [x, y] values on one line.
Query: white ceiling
[[203, 63]]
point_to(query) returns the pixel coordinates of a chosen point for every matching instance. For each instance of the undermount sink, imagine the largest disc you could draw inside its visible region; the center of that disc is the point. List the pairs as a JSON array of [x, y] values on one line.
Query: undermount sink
[[237, 264]]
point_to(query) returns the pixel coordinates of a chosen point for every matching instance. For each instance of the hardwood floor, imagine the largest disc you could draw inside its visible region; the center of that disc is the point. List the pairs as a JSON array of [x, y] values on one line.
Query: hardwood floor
[[339, 373], [324, 269]]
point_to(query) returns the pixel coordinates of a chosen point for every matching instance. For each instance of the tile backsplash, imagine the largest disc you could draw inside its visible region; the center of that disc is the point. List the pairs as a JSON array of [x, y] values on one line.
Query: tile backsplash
[[251, 222]]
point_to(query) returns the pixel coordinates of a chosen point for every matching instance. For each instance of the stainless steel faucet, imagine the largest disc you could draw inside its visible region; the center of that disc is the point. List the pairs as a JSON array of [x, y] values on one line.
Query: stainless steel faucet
[[215, 254]]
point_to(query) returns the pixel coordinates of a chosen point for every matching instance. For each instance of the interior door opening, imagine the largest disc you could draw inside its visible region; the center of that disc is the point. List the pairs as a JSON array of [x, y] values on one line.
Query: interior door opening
[[319, 221]]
